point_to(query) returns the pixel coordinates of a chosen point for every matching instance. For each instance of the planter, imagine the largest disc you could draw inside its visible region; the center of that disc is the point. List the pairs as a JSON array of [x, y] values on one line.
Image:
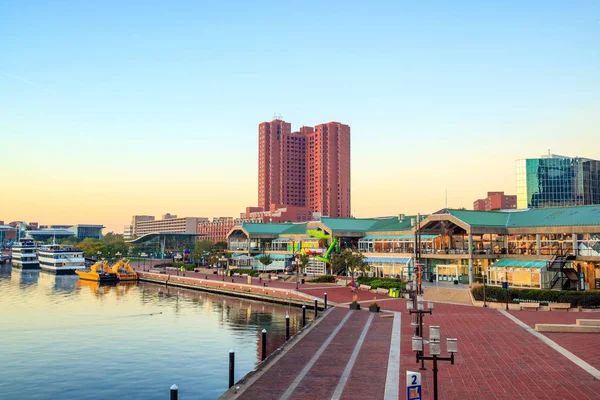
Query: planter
[[354, 306], [374, 308]]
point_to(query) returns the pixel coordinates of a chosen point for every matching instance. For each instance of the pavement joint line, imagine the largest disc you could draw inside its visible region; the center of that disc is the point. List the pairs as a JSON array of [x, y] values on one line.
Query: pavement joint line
[[551, 343], [346, 374], [251, 377], [314, 359], [392, 379]]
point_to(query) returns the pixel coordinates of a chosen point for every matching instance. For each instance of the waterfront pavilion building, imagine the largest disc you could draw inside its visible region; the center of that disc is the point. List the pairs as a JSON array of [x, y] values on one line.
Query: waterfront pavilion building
[[555, 248]]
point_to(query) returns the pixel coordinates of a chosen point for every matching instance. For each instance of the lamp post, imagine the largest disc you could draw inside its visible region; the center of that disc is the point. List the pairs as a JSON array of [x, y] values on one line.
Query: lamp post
[[346, 261], [99, 253], [118, 254], [483, 275], [420, 311], [222, 260], [434, 351], [297, 264], [143, 255]]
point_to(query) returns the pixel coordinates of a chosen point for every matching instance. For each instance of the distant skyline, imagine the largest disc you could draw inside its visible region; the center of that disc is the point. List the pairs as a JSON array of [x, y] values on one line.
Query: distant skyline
[[110, 109]]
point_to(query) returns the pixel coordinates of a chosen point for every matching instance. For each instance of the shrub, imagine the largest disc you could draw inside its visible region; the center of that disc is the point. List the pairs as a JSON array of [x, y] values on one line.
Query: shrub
[[585, 299], [251, 272], [324, 278], [385, 283]]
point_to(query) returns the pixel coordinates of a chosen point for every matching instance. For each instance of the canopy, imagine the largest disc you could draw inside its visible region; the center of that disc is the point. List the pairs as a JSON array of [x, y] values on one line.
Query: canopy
[[388, 260], [398, 237], [520, 263]]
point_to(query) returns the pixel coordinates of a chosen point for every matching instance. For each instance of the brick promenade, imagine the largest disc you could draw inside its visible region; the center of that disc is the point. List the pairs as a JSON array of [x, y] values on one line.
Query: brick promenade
[[497, 358]]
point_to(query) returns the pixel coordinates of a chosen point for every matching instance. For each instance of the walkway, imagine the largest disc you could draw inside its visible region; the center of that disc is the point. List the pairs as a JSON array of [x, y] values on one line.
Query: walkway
[[344, 356]]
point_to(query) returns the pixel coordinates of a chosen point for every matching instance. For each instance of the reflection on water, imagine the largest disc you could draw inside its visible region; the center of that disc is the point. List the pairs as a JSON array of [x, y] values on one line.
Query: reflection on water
[[58, 332]]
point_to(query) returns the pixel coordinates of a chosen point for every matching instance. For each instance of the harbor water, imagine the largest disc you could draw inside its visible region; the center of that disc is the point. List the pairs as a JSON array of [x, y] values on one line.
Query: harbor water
[[62, 338]]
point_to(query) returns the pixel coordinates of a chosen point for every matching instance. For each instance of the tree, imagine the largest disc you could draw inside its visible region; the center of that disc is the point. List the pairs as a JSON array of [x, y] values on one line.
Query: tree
[[201, 248], [304, 260], [347, 262], [265, 260], [220, 245]]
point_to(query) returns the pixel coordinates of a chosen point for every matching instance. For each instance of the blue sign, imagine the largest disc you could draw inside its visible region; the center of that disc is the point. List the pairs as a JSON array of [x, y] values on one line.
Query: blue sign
[[413, 386], [504, 285], [413, 393]]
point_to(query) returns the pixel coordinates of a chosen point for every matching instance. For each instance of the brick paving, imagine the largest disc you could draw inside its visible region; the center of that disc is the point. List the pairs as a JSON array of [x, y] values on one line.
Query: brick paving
[[496, 360], [322, 379], [583, 345]]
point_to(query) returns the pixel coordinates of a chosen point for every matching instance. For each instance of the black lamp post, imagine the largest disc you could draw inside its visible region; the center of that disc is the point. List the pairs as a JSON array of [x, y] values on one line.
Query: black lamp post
[[434, 352], [222, 260], [420, 311], [483, 275], [297, 264]]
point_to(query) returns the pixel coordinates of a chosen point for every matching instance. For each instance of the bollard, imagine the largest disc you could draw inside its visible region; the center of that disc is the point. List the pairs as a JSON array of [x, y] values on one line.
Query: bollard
[[316, 308], [303, 316], [325, 300], [264, 345], [231, 367], [287, 328], [174, 392]]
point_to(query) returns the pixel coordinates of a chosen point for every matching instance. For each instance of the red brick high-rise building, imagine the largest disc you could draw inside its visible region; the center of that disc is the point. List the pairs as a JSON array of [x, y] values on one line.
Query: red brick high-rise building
[[309, 168]]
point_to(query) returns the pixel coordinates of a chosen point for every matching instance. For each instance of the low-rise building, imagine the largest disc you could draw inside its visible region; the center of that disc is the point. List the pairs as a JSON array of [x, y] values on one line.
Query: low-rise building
[[143, 225], [217, 229], [552, 248], [495, 201], [278, 213]]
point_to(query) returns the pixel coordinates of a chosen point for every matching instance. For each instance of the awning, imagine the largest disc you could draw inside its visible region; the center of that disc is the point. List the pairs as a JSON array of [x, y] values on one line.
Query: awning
[[282, 240], [398, 237], [520, 263], [388, 260], [276, 256], [242, 258]]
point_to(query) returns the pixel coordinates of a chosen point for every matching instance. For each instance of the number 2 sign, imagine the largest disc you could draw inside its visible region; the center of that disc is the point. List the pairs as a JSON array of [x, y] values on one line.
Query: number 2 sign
[[413, 385]]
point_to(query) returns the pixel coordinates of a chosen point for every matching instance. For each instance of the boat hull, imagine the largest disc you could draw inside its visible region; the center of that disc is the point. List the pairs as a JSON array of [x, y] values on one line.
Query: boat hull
[[95, 277]]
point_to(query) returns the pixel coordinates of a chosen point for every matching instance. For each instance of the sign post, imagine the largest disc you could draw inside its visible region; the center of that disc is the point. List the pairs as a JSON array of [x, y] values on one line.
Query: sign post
[[413, 386], [505, 287]]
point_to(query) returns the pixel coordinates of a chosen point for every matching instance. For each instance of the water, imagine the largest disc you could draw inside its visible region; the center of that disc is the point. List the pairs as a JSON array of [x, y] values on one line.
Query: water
[[61, 338]]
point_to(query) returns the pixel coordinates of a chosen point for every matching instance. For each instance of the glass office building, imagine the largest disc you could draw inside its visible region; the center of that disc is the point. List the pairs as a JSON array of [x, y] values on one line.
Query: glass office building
[[557, 181]]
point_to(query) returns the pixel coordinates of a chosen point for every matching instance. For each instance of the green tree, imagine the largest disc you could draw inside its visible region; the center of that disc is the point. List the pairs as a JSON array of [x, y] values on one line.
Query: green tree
[[200, 248], [347, 262], [220, 246], [265, 260], [304, 260]]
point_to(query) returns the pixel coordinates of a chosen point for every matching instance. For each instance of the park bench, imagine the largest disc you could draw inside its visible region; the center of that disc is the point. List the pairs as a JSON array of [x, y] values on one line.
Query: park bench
[[364, 287], [534, 306], [559, 306], [382, 291]]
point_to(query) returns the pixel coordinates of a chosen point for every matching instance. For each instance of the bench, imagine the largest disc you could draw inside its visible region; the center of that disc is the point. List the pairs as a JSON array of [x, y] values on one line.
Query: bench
[[534, 306], [382, 291], [559, 306], [364, 287]]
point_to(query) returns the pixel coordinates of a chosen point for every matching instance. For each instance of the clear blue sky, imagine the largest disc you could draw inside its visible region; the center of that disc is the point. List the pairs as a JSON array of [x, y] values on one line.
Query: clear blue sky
[[138, 95]]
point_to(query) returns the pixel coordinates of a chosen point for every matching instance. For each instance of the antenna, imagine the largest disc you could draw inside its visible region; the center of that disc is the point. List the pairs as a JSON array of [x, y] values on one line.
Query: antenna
[[278, 116]]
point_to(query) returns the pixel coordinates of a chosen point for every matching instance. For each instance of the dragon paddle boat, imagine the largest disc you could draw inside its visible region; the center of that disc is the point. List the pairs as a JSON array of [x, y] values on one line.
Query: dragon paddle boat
[[124, 271], [99, 272]]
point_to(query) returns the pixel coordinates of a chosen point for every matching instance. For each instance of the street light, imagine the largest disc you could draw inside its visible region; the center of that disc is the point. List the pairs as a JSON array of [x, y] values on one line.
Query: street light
[[118, 254], [222, 259], [99, 253], [297, 263], [483, 275], [434, 351], [417, 306]]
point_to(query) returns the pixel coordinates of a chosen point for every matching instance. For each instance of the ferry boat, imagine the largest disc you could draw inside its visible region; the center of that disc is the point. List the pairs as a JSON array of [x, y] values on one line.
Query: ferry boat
[[99, 272], [24, 255], [59, 259], [124, 271]]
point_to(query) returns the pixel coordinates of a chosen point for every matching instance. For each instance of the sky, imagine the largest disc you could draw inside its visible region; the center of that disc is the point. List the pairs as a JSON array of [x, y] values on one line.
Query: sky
[[110, 109]]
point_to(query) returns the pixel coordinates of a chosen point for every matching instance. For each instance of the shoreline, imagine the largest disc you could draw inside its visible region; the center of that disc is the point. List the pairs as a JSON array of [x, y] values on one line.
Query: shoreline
[[253, 292]]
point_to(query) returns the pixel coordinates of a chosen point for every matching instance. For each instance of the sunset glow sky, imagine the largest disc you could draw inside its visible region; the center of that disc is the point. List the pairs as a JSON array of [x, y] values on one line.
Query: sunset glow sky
[[115, 108]]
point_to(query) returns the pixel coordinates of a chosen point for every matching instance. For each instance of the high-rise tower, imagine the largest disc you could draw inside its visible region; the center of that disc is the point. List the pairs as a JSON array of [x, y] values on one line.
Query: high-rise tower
[[309, 168]]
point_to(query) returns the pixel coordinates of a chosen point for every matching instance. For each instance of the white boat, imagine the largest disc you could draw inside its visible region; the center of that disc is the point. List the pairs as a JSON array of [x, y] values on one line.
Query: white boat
[[24, 255], [60, 259]]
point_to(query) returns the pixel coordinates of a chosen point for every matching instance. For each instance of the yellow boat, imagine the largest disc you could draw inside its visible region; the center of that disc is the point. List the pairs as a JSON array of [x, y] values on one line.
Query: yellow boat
[[124, 272], [99, 272]]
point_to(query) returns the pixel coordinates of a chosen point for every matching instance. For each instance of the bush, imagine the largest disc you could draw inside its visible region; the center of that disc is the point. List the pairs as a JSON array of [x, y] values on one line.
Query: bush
[[251, 272], [585, 299], [385, 283], [324, 278]]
